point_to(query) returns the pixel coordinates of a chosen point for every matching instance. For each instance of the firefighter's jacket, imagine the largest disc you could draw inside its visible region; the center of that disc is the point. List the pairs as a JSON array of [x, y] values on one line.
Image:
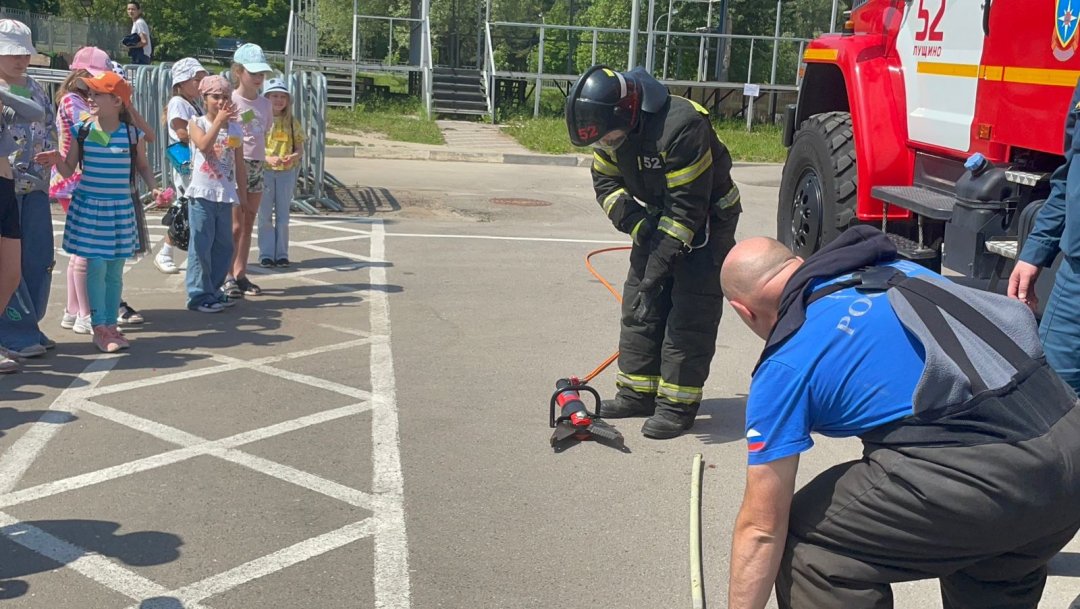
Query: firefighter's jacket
[[674, 163]]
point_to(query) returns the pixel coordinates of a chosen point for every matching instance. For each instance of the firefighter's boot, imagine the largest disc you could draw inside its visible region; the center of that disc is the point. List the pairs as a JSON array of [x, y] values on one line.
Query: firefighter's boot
[[623, 408], [670, 421]]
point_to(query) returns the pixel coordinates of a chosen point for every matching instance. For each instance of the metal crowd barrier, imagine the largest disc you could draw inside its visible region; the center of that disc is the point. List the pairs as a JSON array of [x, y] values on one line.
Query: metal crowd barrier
[[153, 87], [308, 92]]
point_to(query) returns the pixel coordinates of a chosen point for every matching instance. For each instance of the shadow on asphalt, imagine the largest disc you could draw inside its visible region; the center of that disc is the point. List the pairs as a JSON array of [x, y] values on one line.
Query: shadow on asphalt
[[1065, 564], [11, 418], [140, 549], [179, 330], [368, 199], [721, 420], [162, 602]]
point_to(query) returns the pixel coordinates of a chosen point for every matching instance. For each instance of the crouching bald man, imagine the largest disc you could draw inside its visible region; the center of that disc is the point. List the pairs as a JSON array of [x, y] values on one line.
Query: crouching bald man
[[971, 463]]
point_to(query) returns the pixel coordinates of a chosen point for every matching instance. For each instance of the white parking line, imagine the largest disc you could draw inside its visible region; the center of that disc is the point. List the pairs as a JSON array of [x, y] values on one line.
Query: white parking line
[[391, 543], [386, 501], [234, 364], [193, 447], [499, 238], [21, 454], [93, 566], [272, 563]]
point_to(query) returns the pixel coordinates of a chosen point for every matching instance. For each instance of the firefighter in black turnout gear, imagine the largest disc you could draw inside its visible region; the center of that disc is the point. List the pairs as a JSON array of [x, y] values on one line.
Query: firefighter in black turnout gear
[[663, 177]]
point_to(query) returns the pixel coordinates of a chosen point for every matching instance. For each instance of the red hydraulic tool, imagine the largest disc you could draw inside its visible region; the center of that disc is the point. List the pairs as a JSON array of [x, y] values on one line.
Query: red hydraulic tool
[[575, 423]]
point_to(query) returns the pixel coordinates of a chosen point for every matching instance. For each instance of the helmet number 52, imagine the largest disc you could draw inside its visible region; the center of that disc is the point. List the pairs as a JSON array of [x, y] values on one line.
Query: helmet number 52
[[930, 29]]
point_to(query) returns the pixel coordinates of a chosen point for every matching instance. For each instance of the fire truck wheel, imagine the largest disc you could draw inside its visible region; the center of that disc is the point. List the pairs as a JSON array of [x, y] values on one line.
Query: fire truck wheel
[[819, 184]]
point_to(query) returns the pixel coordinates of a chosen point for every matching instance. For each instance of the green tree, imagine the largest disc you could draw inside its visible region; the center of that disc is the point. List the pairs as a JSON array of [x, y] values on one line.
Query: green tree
[[48, 7]]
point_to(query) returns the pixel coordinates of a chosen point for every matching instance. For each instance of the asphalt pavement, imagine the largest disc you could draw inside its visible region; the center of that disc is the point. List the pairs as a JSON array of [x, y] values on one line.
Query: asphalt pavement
[[372, 431]]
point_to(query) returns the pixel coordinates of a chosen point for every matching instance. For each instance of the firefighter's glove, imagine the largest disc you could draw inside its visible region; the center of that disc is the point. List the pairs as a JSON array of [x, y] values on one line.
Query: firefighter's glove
[[666, 252]]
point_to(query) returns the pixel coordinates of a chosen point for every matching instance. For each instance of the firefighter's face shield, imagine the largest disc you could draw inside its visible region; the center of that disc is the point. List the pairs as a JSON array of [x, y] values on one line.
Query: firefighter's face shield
[[589, 121], [610, 105]]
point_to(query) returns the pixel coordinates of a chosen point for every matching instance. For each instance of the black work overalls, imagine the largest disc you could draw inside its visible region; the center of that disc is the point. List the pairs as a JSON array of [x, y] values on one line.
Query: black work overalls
[[979, 486]]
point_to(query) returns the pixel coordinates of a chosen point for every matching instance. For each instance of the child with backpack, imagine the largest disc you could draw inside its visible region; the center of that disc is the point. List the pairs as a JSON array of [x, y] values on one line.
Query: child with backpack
[[73, 107], [217, 162], [284, 145], [249, 69], [183, 106], [101, 220]]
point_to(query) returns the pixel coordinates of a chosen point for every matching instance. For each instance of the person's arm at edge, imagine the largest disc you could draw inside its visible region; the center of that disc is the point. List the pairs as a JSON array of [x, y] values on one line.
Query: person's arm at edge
[[142, 164], [204, 140], [140, 123], [144, 34], [761, 532], [241, 176], [65, 164], [24, 110]]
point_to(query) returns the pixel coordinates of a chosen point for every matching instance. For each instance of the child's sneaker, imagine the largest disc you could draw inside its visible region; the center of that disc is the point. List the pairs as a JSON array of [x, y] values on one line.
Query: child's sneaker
[[282, 262], [105, 341], [209, 307], [67, 322], [118, 337], [128, 316], [8, 366], [82, 325], [165, 264], [267, 263], [232, 289]]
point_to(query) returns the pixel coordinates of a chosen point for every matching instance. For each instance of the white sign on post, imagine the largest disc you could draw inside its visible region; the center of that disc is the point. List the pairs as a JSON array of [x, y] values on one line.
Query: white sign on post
[[752, 91]]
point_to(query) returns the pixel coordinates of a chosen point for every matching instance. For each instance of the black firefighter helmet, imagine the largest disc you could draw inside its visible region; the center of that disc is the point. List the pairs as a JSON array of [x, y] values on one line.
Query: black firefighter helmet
[[601, 101]]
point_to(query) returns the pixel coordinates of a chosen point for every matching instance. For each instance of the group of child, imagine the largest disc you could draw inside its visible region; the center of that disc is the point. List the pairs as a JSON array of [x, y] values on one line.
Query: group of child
[[228, 146]]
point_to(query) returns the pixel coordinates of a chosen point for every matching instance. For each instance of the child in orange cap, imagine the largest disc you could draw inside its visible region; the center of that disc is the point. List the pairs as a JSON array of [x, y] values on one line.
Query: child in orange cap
[[101, 224]]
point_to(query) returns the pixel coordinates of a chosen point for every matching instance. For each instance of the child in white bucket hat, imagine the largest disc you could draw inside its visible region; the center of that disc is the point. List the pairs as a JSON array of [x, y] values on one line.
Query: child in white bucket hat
[[183, 106], [19, 331]]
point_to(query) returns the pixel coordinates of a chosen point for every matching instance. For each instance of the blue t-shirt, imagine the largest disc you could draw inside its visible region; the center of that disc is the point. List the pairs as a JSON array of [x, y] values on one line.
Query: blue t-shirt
[[850, 368]]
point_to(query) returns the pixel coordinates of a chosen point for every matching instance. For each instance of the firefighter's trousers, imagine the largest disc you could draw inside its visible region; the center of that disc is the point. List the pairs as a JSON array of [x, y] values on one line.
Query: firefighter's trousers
[[666, 357]]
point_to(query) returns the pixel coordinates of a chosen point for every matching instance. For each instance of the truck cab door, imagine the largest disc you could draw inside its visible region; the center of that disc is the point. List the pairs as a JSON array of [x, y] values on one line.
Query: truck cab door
[[940, 45]]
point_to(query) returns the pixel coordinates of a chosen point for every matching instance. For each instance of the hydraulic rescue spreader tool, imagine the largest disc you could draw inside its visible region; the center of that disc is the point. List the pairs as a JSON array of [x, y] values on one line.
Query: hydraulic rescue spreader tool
[[575, 422]]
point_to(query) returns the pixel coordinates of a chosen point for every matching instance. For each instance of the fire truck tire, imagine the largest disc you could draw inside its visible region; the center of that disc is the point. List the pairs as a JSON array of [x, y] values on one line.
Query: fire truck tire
[[818, 190]]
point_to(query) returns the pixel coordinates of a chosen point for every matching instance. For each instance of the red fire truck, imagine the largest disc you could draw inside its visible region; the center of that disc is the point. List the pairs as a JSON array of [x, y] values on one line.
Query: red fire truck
[[938, 120]]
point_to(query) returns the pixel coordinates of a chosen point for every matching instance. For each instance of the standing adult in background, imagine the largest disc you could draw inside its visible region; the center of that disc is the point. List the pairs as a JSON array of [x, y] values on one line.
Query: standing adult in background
[[141, 51], [19, 331], [1057, 229]]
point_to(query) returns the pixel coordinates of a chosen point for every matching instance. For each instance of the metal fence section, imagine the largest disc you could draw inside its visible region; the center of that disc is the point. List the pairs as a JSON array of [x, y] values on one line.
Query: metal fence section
[[558, 53], [302, 36], [153, 87], [53, 34], [308, 92]]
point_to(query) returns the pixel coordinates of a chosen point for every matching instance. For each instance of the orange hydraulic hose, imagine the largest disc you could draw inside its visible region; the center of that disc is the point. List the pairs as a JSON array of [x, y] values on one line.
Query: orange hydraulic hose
[[614, 292]]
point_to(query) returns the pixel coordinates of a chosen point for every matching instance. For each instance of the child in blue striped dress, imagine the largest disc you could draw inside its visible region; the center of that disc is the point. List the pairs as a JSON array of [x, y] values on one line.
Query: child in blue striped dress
[[101, 220]]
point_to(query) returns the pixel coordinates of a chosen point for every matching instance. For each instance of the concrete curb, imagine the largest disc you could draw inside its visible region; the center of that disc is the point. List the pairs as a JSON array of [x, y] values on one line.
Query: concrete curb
[[460, 156]]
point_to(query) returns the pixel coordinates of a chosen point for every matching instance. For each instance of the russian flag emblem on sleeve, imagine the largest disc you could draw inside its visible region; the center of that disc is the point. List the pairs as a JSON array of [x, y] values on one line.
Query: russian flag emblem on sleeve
[[755, 442]]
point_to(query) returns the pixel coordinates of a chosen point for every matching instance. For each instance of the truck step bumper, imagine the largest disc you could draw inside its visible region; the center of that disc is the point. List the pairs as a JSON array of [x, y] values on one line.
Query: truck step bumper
[[922, 201]]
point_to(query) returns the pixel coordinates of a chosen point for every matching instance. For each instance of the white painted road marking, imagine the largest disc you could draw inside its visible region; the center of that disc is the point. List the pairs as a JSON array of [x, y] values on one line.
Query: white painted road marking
[[386, 501], [20, 456], [391, 543]]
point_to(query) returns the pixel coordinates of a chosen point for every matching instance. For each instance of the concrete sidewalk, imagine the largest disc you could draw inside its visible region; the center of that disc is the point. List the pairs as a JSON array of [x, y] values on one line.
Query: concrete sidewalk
[[466, 141]]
